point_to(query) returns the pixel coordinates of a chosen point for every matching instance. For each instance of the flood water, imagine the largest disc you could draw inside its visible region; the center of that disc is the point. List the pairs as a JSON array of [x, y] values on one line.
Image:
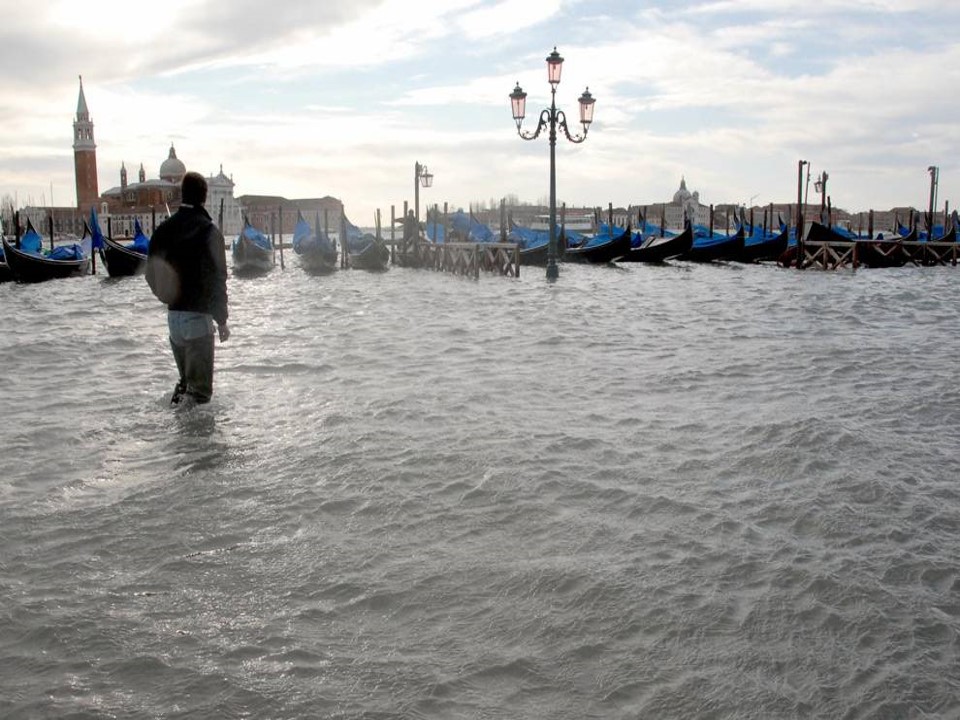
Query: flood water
[[648, 492]]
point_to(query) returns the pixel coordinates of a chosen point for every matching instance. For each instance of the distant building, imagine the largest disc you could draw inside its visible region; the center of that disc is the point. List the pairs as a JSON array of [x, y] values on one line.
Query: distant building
[[685, 204], [265, 211], [149, 200], [220, 197]]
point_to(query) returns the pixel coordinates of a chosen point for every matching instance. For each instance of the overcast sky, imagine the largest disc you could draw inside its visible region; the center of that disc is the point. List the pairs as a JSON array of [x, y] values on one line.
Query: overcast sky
[[342, 97]]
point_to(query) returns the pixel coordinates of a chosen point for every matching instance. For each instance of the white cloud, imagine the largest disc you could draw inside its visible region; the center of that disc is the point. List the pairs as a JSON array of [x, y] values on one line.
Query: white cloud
[[506, 17]]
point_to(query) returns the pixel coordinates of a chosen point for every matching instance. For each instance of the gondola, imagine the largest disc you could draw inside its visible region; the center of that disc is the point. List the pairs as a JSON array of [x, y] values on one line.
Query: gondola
[[535, 244], [949, 236], [124, 260], [709, 249], [656, 249], [366, 251], [602, 251], [374, 255], [539, 254], [252, 251], [535, 254], [759, 248], [32, 266], [318, 254]]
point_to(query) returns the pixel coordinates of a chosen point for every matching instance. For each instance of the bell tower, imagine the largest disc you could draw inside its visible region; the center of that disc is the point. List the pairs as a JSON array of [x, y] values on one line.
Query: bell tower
[[84, 155]]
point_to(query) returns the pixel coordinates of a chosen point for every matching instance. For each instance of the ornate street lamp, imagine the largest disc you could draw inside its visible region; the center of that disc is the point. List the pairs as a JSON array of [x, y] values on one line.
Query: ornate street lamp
[[421, 176], [552, 118]]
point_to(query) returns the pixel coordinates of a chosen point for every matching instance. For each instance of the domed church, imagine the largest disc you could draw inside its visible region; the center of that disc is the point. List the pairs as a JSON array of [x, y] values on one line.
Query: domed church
[[161, 191], [155, 197]]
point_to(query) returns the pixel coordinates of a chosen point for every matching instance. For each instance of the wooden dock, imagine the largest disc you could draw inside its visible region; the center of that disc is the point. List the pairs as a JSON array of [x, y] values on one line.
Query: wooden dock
[[463, 258], [838, 255]]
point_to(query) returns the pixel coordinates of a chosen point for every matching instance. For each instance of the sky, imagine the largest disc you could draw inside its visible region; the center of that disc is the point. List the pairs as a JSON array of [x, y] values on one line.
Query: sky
[[343, 97]]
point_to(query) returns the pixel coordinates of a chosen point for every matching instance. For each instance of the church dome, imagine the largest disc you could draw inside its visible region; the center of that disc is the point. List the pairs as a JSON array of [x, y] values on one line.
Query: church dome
[[172, 169], [682, 195]]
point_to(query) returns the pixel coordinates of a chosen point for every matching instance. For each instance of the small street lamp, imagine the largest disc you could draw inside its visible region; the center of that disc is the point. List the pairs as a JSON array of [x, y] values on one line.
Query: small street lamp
[[821, 187], [934, 181], [552, 118], [421, 176], [799, 222]]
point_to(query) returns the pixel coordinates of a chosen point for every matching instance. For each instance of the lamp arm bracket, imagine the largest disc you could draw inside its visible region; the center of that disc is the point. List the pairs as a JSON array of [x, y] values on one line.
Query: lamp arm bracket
[[562, 122], [541, 125]]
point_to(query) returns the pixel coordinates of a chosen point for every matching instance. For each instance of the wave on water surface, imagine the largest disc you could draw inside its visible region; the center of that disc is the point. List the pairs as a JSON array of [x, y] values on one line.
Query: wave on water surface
[[678, 491]]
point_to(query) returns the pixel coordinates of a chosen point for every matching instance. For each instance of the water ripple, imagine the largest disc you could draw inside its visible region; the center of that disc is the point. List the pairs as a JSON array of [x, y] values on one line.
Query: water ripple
[[677, 491]]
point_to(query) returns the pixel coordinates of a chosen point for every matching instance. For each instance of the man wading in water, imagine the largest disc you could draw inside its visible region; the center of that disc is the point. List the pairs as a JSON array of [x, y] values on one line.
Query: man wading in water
[[187, 270]]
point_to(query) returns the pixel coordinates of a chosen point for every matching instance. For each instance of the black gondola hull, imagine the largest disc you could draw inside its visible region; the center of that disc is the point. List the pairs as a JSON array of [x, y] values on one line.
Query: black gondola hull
[[121, 261], [769, 249], [375, 256], [537, 255], [606, 252], [658, 250], [27, 268], [726, 249], [317, 262]]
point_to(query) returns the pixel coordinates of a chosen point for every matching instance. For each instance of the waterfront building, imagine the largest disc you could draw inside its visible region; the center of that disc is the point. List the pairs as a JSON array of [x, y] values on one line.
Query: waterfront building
[[264, 213], [150, 200]]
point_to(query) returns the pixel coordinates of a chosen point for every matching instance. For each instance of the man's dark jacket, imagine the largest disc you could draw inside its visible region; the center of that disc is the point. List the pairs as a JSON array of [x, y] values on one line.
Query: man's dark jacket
[[187, 263]]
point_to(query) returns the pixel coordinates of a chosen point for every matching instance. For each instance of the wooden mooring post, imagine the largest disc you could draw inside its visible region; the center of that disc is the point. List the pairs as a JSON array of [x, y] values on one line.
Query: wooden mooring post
[[280, 213], [393, 234]]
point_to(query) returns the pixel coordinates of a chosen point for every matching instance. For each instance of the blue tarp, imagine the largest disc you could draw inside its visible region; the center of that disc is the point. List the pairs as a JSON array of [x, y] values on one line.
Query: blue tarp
[[703, 231], [705, 242], [95, 233], [31, 242], [305, 239], [470, 229], [760, 235], [355, 239], [528, 238], [605, 233], [251, 233], [66, 252], [140, 243], [649, 229], [436, 232]]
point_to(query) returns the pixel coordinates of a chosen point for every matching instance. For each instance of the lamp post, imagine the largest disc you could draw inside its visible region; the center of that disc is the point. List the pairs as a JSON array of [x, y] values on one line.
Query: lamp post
[[799, 223], [821, 187], [421, 176], [552, 118], [934, 180]]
